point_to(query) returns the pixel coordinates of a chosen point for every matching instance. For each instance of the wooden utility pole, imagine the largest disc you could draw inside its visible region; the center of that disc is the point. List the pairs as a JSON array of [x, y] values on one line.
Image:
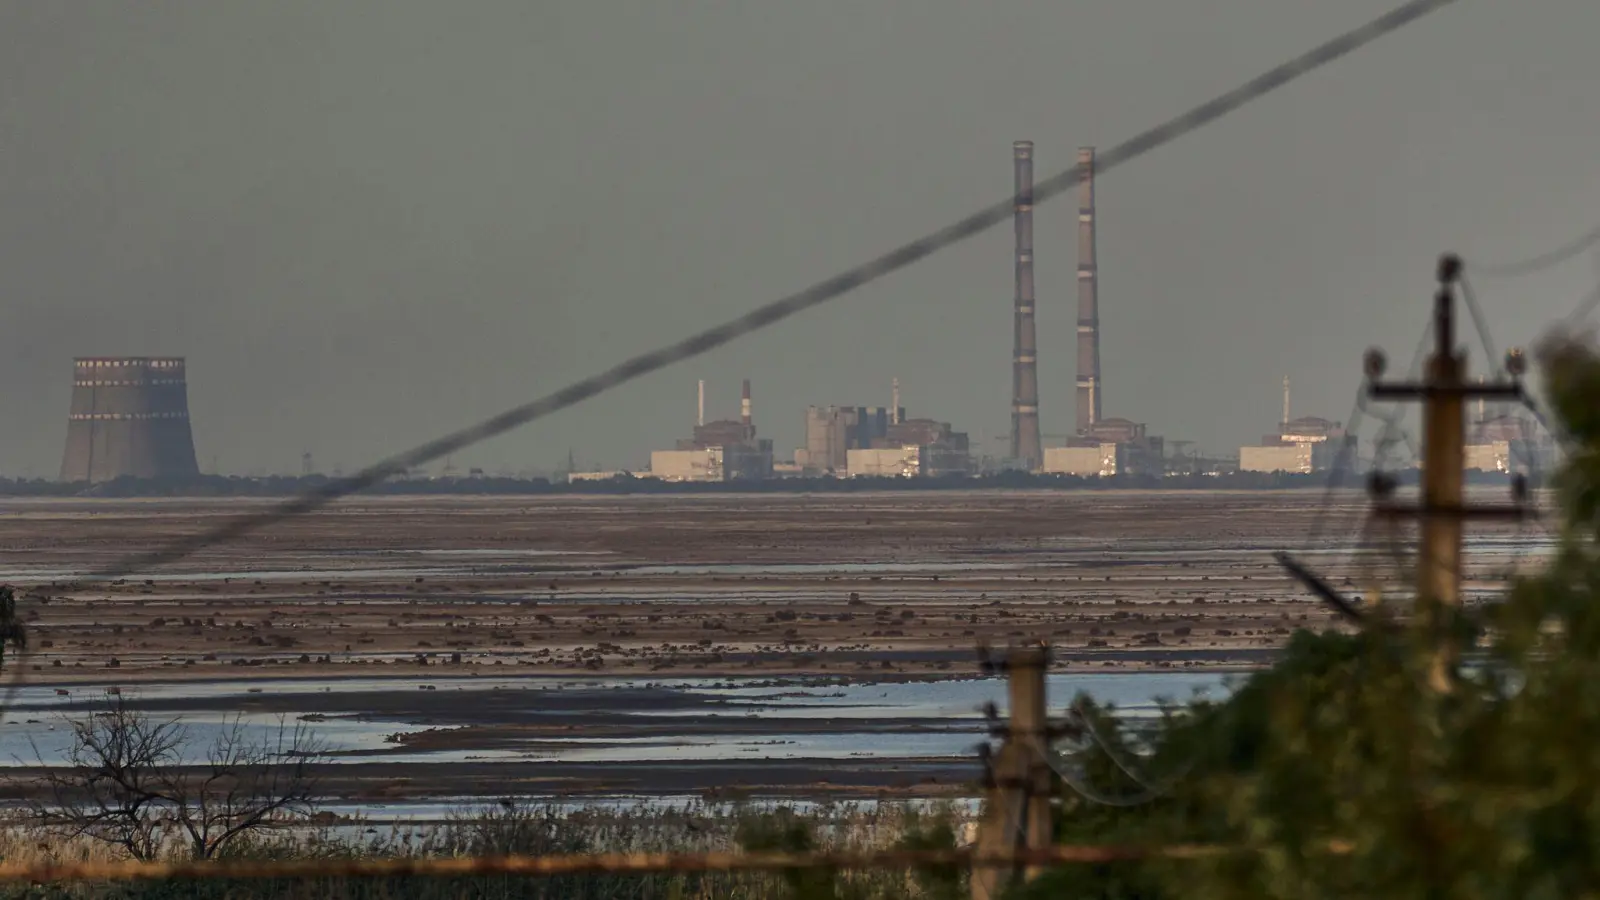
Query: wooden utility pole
[[1442, 510], [1019, 813]]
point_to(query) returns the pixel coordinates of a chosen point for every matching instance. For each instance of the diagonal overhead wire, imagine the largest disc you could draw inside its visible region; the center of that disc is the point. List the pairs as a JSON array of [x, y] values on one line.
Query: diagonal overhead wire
[[1543, 261], [1480, 323], [778, 310]]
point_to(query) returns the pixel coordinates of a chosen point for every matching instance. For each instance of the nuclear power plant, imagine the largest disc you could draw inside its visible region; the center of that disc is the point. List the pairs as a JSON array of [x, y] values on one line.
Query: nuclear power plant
[[129, 418]]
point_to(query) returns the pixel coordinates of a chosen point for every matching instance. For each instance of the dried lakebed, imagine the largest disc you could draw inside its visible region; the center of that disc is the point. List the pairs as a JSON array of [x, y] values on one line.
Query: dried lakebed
[[569, 645]]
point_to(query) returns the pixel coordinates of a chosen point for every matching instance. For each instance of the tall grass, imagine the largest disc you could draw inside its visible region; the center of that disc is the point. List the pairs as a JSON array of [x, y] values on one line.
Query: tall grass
[[511, 827]]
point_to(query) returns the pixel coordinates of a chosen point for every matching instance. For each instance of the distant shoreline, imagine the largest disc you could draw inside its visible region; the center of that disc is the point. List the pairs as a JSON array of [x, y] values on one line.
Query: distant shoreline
[[232, 486]]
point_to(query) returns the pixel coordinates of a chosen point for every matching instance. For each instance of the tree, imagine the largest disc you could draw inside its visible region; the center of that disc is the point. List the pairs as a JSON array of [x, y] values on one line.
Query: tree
[[1339, 772], [127, 783], [11, 630]]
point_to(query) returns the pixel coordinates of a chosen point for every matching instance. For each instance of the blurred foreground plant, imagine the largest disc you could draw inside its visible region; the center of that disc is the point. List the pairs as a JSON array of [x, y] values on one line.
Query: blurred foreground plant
[[1491, 790]]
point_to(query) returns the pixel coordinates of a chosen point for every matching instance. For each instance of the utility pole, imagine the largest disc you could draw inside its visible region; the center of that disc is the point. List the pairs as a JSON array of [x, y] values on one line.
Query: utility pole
[[1442, 511], [1019, 813]]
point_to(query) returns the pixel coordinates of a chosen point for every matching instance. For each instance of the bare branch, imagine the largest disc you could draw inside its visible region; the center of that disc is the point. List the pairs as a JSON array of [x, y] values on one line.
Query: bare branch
[[128, 784]]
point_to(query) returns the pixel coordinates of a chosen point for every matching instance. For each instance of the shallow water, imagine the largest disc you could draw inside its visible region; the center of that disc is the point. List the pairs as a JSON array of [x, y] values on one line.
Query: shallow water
[[40, 719]]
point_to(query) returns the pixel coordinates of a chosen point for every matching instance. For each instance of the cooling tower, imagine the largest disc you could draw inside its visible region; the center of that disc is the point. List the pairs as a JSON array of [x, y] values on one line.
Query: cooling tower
[[130, 417]]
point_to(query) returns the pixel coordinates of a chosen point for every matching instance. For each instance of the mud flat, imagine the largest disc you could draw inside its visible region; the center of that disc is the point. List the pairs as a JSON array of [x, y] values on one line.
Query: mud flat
[[394, 599], [894, 583]]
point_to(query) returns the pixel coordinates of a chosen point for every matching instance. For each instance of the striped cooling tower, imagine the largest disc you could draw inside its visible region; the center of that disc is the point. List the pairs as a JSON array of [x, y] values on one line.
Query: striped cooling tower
[[130, 417]]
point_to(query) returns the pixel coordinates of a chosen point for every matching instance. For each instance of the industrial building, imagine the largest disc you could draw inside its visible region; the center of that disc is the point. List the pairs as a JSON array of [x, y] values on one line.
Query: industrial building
[[1507, 443], [1293, 458], [941, 449], [705, 464], [1301, 446], [880, 443], [833, 431], [1086, 460], [723, 450], [887, 462], [873, 441], [129, 418], [601, 475], [1108, 447]]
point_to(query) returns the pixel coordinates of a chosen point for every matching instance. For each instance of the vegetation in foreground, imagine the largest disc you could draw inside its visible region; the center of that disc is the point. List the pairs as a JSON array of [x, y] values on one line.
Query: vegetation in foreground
[[512, 827], [1340, 773]]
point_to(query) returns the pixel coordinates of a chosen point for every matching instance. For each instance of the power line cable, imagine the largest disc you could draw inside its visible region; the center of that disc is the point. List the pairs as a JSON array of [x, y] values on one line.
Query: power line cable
[[1072, 775], [1348, 455], [1583, 308], [1491, 359], [1551, 259], [772, 313], [1115, 754]]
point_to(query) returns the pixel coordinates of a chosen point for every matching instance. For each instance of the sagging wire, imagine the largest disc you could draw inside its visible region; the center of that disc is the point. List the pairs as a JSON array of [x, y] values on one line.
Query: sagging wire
[[1391, 432], [1072, 773], [1345, 462], [1078, 782], [1542, 261], [1114, 753]]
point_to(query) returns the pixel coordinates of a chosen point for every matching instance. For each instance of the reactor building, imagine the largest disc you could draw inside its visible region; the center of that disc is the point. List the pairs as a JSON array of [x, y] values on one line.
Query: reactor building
[[724, 450], [879, 442], [833, 431], [911, 448], [1302, 446], [129, 419]]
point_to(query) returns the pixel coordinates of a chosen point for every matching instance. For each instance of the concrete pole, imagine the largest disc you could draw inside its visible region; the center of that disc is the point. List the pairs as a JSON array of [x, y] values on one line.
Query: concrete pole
[[1019, 812], [1029, 727], [1443, 461]]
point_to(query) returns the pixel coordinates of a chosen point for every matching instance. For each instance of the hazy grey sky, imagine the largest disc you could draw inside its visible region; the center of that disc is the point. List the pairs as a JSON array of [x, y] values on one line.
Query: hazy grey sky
[[365, 223]]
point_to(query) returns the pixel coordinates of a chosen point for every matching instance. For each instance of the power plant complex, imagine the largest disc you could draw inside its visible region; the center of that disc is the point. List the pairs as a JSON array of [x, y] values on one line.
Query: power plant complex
[[129, 419], [854, 441], [130, 416]]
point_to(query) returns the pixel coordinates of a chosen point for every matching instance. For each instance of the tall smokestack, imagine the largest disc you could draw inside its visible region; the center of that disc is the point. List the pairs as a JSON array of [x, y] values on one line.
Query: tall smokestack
[[1089, 388], [1285, 401], [894, 401], [744, 405], [1025, 445], [700, 413]]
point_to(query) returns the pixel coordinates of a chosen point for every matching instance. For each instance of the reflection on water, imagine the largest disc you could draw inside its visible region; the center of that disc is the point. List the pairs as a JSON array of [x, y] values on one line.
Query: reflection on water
[[46, 737], [949, 710]]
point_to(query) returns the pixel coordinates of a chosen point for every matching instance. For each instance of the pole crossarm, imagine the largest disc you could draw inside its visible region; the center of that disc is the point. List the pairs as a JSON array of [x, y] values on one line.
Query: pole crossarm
[[1424, 391], [1441, 510], [1456, 512]]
